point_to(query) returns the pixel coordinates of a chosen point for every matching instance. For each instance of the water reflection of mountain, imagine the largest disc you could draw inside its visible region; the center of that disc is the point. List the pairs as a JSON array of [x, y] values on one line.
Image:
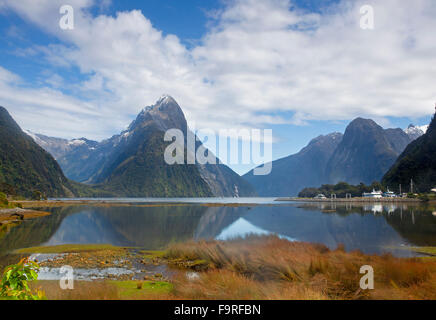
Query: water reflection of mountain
[[355, 231], [367, 228], [216, 219], [149, 227], [86, 226], [418, 225], [34, 232], [356, 227]]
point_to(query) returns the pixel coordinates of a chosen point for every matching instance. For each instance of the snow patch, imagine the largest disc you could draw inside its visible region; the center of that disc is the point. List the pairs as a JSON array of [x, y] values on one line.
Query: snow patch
[[163, 98], [76, 142], [416, 131], [31, 134], [424, 128]]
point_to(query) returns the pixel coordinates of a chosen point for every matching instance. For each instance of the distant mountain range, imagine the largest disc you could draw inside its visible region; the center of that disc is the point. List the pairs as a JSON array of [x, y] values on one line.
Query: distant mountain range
[[362, 154], [417, 163], [306, 168], [72, 155], [132, 162]]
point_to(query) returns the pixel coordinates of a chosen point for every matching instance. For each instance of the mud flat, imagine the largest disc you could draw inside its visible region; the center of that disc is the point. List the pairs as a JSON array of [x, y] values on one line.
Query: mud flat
[[14, 215]]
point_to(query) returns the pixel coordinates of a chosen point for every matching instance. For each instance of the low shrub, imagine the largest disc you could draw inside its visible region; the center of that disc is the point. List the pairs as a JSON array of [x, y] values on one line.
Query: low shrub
[[3, 200], [14, 284]]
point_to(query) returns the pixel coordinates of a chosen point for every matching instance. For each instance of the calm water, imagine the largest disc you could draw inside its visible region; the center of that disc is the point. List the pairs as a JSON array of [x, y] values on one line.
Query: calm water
[[250, 200], [371, 229]]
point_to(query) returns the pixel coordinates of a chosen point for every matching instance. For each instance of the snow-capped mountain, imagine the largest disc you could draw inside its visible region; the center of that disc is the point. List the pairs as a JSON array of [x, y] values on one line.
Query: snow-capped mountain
[[414, 132], [424, 128], [132, 163], [58, 147]]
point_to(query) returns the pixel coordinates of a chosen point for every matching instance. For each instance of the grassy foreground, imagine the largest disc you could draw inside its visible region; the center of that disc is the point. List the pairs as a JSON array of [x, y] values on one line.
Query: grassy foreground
[[106, 290], [273, 268], [263, 267]]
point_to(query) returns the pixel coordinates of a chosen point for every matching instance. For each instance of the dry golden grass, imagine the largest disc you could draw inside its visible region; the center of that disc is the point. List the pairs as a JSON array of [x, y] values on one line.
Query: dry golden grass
[[83, 290], [228, 285], [267, 267], [106, 290], [273, 268]]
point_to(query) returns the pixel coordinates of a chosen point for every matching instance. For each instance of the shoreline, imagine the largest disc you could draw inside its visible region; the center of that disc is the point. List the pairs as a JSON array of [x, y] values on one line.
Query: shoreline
[[16, 215], [109, 203], [276, 202], [351, 200], [206, 269]]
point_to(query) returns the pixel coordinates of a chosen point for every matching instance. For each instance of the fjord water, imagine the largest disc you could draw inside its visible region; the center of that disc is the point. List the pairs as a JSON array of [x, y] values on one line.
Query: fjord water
[[376, 228]]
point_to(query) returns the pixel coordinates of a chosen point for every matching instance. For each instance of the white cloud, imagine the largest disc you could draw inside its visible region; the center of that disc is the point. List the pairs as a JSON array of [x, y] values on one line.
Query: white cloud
[[261, 58], [46, 110]]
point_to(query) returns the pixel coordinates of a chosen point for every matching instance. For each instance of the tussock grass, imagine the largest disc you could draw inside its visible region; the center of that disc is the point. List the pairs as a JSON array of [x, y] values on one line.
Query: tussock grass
[[267, 267]]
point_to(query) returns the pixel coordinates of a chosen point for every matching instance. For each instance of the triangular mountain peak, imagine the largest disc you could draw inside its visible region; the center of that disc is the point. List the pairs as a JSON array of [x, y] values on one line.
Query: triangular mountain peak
[[6, 120], [165, 114]]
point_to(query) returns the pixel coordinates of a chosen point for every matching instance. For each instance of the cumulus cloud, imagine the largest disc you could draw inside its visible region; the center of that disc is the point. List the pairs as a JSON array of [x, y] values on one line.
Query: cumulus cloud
[[260, 61]]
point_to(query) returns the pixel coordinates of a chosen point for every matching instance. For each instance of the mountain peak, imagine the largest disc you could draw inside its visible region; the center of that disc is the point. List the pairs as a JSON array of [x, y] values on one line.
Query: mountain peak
[[6, 120], [165, 114], [361, 129], [365, 153], [362, 122], [165, 98], [414, 132]]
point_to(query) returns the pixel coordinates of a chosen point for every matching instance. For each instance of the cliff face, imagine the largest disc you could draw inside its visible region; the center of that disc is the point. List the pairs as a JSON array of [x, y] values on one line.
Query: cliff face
[[417, 163], [365, 153], [291, 174], [24, 166]]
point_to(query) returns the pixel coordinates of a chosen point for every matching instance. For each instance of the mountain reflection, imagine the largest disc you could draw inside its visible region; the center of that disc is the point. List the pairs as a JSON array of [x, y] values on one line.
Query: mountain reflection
[[372, 229]]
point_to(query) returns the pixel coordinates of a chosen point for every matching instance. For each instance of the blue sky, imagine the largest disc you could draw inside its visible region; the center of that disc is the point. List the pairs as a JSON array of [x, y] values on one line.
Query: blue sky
[[229, 64]]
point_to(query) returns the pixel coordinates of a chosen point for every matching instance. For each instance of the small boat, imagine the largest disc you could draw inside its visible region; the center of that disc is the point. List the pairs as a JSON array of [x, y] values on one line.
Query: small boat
[[320, 196], [373, 194], [389, 194]]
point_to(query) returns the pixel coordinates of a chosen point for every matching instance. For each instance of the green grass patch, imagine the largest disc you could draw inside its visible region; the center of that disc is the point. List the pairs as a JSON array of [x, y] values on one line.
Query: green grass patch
[[129, 289], [70, 248], [425, 250], [428, 252], [196, 265], [150, 255]]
